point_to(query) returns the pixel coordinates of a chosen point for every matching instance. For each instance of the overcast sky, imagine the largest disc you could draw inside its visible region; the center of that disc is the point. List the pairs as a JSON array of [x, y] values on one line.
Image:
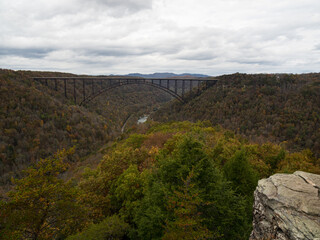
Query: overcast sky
[[124, 36]]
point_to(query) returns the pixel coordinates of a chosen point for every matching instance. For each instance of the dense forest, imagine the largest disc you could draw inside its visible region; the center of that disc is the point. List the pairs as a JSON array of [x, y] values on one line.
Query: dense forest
[[281, 108], [190, 175], [36, 121], [178, 180]]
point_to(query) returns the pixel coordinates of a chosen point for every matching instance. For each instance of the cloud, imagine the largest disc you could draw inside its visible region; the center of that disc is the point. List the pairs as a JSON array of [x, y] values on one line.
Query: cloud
[[197, 55], [317, 47], [126, 5], [117, 51], [257, 62], [25, 52], [121, 36]]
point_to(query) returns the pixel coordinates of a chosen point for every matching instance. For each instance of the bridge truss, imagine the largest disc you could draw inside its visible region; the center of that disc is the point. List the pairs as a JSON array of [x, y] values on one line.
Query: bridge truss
[[85, 89]]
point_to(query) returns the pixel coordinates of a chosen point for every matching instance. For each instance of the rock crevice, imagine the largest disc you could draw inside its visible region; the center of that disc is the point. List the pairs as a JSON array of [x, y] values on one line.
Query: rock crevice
[[287, 207]]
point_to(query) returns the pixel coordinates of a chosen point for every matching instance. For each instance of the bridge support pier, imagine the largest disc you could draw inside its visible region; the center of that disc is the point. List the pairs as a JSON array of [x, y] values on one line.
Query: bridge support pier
[[84, 89], [175, 87], [183, 86], [65, 87], [74, 91]]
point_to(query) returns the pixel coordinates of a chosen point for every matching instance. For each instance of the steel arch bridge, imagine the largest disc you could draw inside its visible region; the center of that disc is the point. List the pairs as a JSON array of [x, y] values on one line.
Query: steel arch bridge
[[85, 89]]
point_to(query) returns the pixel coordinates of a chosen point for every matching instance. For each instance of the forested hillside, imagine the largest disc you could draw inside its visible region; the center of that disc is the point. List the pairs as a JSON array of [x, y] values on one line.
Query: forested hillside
[[279, 108], [175, 181], [36, 121]]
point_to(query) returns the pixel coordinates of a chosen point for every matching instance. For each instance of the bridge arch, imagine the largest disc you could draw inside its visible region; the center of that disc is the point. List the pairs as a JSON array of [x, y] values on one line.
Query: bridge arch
[[108, 88]]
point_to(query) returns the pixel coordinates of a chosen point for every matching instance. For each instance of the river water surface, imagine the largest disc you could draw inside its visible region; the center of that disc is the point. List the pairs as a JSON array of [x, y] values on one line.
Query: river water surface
[[142, 119]]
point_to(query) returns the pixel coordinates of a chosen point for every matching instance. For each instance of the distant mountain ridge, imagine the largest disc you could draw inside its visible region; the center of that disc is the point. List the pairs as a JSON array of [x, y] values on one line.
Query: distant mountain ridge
[[166, 75]]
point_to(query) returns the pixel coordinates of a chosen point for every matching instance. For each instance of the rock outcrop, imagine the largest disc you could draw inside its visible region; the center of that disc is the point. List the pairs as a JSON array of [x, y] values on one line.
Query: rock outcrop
[[287, 207]]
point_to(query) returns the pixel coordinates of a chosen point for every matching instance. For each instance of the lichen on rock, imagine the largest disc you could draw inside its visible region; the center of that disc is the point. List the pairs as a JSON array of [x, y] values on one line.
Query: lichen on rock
[[287, 207]]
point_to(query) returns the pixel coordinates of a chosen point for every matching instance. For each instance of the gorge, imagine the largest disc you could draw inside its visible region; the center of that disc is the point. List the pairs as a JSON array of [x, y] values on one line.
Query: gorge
[[190, 171]]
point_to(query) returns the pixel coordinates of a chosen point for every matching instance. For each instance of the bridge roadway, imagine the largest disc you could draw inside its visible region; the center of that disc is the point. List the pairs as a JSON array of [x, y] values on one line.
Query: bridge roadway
[[91, 87]]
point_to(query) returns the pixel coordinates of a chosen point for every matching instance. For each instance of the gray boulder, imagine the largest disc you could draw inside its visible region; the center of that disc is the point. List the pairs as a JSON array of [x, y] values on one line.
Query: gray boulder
[[287, 207]]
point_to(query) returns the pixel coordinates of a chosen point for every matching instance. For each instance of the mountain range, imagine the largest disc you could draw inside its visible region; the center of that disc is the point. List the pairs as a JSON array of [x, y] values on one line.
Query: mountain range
[[166, 75]]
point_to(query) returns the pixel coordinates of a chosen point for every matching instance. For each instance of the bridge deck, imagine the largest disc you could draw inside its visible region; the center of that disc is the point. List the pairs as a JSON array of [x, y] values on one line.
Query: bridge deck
[[125, 78]]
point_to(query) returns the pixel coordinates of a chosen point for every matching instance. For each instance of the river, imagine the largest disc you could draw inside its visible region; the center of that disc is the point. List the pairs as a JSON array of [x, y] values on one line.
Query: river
[[142, 119]]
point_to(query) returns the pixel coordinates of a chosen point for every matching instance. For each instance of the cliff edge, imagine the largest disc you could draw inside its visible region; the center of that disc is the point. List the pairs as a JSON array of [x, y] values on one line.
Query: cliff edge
[[287, 207]]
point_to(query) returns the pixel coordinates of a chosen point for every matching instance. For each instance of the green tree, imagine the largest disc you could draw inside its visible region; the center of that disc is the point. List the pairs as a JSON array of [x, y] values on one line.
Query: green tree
[[41, 205], [239, 171], [226, 216], [110, 228], [127, 191], [187, 220], [150, 215]]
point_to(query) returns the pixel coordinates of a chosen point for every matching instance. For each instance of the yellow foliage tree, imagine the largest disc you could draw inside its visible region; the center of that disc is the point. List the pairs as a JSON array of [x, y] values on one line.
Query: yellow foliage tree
[[41, 205]]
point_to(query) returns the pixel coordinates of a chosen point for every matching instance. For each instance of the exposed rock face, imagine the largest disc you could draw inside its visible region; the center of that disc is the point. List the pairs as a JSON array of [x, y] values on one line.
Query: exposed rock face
[[287, 207]]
